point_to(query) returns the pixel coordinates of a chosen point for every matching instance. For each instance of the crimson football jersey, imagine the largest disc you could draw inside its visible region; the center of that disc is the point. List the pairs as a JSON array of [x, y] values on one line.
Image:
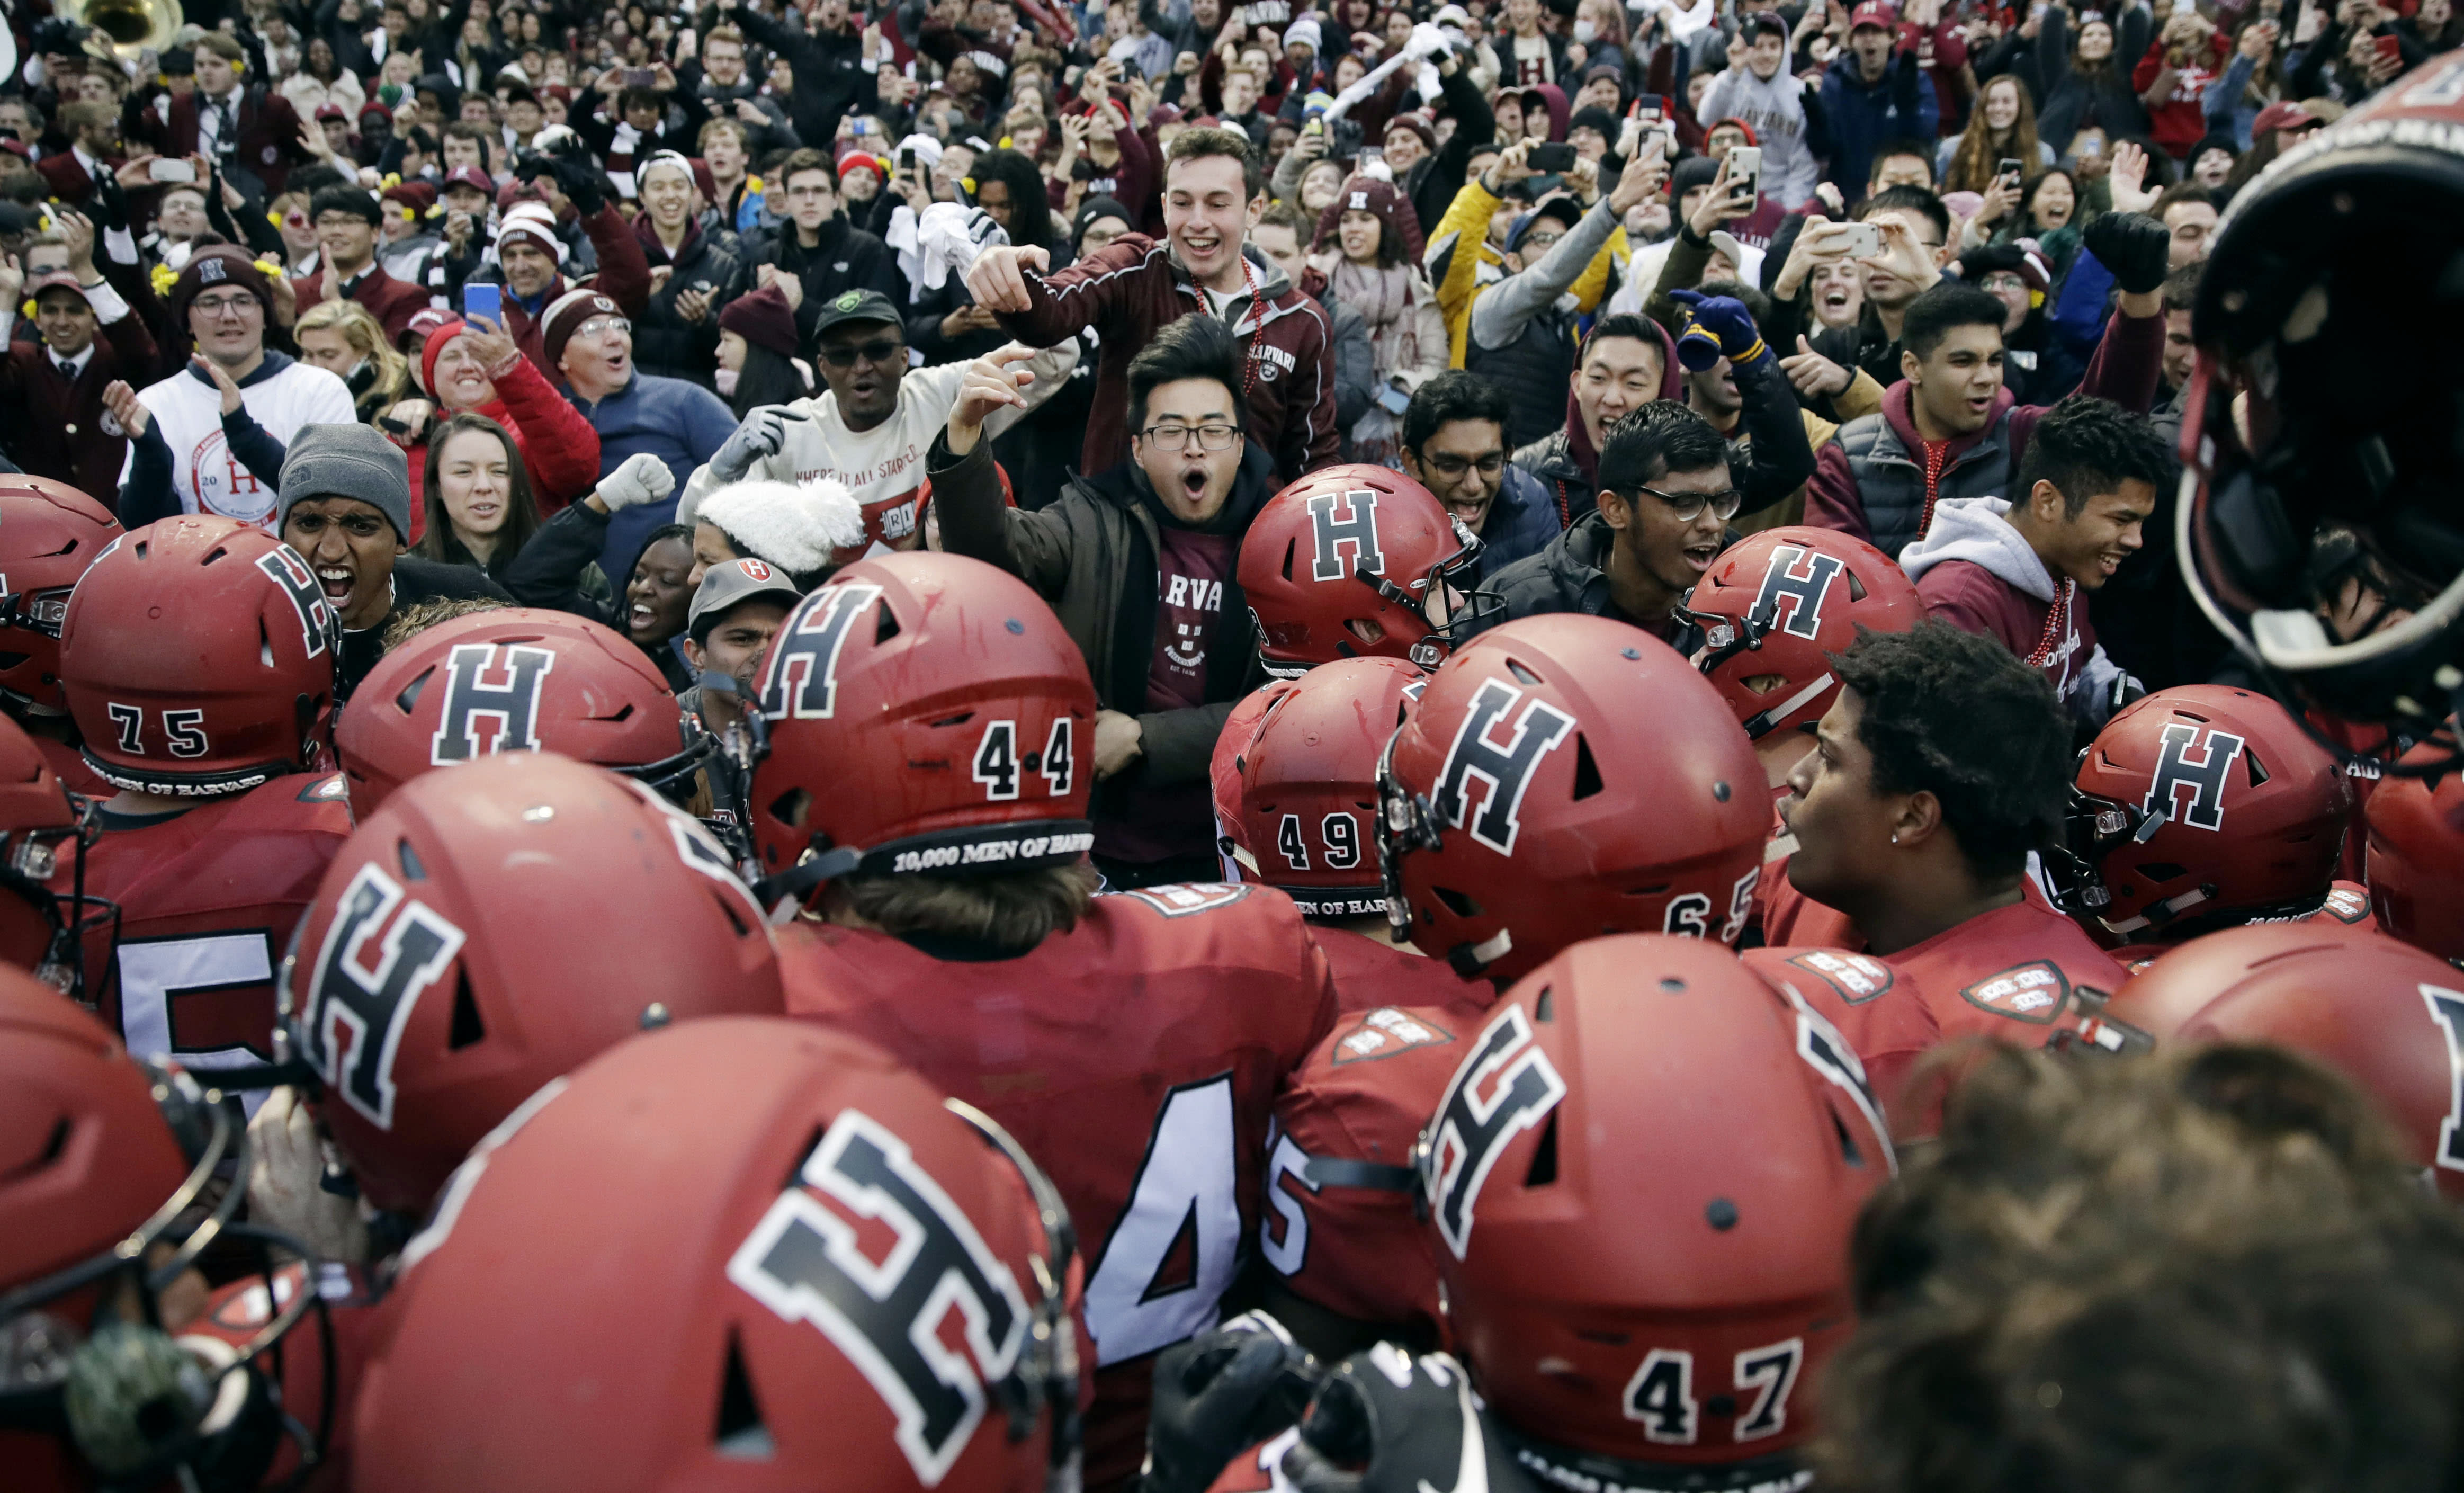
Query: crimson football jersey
[[1341, 1229], [1881, 1012], [2017, 964], [1370, 972], [208, 899], [1137, 1058]]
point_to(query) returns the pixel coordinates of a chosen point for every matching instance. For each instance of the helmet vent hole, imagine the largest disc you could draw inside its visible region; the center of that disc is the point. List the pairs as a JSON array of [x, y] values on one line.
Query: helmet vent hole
[[466, 1029], [1455, 902], [1544, 1161], [408, 699], [887, 628], [1856, 588], [1849, 1151], [735, 919], [1545, 1009], [213, 555], [54, 1146], [789, 807], [1290, 548], [624, 712], [411, 868], [1587, 772], [2258, 773], [264, 645], [138, 549], [1521, 672], [2163, 870], [740, 1433]]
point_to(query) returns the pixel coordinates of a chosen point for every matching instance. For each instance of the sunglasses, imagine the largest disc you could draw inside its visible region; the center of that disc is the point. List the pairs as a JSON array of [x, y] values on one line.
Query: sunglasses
[[881, 349]]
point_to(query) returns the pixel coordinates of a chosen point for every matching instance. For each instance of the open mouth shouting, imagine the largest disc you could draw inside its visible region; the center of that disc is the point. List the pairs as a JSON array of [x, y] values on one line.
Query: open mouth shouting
[[337, 582], [1699, 556]]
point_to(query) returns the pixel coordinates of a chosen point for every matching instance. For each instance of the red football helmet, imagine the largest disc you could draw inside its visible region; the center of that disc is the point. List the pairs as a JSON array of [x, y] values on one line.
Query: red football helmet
[[1354, 562], [2386, 1015], [924, 713], [198, 656], [1775, 606], [2309, 467], [1641, 1181], [49, 534], [831, 1279], [1305, 783], [465, 948], [2416, 861], [516, 679], [104, 1164], [40, 822], [1566, 777], [2201, 802]]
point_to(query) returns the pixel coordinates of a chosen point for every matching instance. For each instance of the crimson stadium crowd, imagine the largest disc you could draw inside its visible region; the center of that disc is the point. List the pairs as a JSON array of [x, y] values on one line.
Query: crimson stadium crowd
[[1180, 747]]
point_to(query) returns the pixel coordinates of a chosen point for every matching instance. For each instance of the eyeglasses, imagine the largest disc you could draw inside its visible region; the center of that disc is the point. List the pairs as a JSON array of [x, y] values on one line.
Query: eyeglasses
[[1176, 437], [1449, 466], [220, 305], [881, 349], [1536, 239], [340, 220], [597, 325], [1688, 506]]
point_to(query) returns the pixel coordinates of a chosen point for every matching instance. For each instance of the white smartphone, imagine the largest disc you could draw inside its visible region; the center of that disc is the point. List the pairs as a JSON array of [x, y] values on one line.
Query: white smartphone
[[1864, 240], [166, 169], [1745, 167]]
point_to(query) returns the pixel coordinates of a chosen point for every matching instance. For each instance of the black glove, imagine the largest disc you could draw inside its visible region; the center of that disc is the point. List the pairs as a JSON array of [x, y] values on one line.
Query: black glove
[[583, 185], [1217, 1394], [2134, 245], [1404, 1423]]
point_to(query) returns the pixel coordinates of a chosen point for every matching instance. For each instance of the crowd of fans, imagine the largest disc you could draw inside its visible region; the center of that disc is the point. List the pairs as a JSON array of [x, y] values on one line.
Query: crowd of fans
[[1184, 746]]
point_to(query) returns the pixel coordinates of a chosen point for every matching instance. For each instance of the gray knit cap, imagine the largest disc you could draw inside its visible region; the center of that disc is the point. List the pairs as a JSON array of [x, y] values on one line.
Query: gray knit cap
[[347, 461]]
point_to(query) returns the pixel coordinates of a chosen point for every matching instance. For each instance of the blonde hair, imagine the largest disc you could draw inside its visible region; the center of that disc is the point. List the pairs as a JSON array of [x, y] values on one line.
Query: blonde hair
[[365, 335]]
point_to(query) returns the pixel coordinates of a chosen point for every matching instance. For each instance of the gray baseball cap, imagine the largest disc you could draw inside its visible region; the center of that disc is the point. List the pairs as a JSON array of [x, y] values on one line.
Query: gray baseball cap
[[724, 587]]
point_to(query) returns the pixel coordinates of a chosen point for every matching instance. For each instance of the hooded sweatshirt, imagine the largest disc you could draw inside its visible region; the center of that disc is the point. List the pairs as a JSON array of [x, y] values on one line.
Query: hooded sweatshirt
[[1976, 572], [1774, 110]]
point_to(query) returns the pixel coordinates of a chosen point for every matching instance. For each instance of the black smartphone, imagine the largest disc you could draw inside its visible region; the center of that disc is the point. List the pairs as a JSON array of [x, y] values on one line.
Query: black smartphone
[[1551, 158], [2006, 168]]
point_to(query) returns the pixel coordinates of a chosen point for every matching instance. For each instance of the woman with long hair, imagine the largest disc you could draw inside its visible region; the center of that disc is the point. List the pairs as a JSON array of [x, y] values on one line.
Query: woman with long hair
[[2252, 80], [477, 497], [473, 366], [321, 80], [341, 337], [1367, 253], [2001, 128], [2078, 70], [756, 351]]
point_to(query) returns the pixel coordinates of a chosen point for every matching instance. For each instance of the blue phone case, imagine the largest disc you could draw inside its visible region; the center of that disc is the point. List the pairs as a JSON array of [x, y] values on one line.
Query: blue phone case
[[484, 300]]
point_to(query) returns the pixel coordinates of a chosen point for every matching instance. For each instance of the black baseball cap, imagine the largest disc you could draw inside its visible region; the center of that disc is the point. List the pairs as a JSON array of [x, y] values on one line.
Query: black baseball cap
[[857, 306]]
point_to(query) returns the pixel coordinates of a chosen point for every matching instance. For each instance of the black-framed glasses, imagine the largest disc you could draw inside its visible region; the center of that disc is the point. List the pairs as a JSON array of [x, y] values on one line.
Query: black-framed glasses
[[881, 349], [1688, 506], [1212, 437], [1452, 467]]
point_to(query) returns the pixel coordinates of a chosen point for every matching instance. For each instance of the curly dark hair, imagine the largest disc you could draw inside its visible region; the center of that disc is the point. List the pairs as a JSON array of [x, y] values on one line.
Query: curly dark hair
[[2085, 446], [1958, 715]]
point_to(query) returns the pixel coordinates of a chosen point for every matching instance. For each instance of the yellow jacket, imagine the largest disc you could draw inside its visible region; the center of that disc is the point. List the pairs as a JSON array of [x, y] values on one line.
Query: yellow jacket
[[1460, 278]]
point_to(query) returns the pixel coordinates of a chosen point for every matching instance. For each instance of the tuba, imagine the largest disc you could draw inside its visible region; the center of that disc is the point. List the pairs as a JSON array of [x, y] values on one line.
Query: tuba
[[133, 25]]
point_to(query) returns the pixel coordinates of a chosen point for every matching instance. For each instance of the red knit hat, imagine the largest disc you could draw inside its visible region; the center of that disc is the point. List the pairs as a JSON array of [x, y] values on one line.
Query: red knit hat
[[452, 328], [861, 161]]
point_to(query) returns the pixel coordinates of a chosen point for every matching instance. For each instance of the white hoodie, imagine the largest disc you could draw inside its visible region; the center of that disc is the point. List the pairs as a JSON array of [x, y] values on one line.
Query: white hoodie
[[1973, 528]]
